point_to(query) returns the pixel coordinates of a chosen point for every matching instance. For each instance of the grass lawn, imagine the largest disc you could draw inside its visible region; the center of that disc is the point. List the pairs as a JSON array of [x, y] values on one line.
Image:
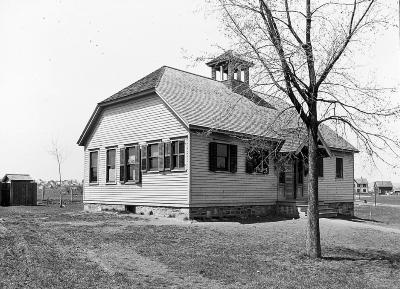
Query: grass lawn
[[381, 215], [49, 247], [381, 199]]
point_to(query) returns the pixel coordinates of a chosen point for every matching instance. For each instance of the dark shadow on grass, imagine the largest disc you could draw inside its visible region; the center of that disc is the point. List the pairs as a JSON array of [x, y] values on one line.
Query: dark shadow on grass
[[347, 254], [357, 219], [249, 220]]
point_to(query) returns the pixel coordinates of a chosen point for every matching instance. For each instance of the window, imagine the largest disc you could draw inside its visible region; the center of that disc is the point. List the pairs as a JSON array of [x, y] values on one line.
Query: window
[[364, 190], [129, 164], [178, 154], [320, 167], [257, 161], [300, 169], [222, 157], [282, 177], [339, 168], [153, 156], [358, 190], [93, 167], [163, 156], [110, 167], [364, 185]]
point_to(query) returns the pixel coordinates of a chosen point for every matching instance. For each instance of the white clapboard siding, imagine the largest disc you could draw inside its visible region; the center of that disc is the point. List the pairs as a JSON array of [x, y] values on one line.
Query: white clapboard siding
[[136, 121], [331, 188], [223, 188]]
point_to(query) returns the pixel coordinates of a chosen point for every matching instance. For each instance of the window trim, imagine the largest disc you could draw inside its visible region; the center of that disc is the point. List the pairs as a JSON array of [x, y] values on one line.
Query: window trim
[[177, 169], [125, 180], [149, 170], [115, 166], [91, 183]]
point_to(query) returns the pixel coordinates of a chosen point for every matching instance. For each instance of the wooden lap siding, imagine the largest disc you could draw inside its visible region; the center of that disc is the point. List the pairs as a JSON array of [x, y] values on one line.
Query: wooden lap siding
[[141, 120], [335, 189], [224, 188]]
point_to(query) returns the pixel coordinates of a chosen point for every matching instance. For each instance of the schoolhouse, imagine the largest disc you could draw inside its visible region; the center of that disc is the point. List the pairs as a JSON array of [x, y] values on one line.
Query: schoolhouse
[[177, 143]]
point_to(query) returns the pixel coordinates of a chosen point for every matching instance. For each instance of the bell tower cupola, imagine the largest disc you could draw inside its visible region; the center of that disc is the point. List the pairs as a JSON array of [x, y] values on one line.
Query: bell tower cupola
[[230, 68]]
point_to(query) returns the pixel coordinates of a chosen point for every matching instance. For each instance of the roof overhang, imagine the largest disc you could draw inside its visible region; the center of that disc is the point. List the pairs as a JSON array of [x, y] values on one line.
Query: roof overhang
[[244, 136]]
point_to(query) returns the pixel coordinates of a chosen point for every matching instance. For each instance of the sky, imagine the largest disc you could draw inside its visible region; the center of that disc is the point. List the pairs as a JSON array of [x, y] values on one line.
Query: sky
[[58, 59]]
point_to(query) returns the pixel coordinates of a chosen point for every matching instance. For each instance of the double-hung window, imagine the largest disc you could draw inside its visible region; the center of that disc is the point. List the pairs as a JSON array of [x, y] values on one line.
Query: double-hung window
[[178, 155], [339, 168], [222, 157], [110, 167], [93, 164], [129, 164], [163, 156]]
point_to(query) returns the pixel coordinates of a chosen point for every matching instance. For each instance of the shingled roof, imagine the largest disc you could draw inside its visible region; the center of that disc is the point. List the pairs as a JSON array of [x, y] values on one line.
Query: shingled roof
[[16, 177], [201, 102]]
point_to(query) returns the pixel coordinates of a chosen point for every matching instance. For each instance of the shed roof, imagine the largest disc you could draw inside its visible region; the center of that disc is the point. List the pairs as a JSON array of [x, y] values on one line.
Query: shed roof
[[201, 102], [384, 184], [16, 177]]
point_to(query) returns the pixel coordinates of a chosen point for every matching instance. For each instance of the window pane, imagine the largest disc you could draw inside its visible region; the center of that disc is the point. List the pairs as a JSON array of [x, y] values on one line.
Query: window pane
[[167, 164], [153, 162], [93, 159], [111, 158], [154, 150], [131, 172], [175, 161], [93, 174], [181, 147], [221, 163], [222, 150], [175, 147], [181, 161], [111, 175], [167, 150]]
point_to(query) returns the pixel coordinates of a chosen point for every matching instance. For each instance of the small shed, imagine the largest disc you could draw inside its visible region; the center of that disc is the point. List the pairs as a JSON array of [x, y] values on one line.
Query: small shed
[[383, 187], [18, 190]]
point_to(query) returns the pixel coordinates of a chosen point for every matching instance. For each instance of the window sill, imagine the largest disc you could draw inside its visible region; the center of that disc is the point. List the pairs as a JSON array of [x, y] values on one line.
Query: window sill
[[130, 183], [94, 184], [111, 183], [222, 172]]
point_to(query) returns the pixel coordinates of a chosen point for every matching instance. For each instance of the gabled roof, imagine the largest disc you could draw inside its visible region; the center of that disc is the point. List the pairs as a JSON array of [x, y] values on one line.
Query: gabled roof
[[231, 57], [361, 181], [203, 103], [16, 177], [384, 184]]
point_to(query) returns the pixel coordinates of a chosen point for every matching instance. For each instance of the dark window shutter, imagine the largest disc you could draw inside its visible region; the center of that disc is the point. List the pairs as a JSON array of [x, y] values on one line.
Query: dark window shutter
[[168, 156], [144, 158], [213, 156], [233, 158], [137, 164], [161, 156], [122, 166]]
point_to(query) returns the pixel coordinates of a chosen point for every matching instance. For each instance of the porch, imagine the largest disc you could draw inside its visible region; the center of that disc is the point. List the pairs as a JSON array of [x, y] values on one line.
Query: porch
[[298, 209]]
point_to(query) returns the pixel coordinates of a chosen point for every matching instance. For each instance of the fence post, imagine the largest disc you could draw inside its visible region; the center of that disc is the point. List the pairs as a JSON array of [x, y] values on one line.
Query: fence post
[[70, 191]]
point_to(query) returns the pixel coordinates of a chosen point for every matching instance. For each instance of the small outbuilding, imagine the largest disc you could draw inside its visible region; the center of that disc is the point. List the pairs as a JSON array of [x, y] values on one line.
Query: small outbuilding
[[18, 190], [383, 187]]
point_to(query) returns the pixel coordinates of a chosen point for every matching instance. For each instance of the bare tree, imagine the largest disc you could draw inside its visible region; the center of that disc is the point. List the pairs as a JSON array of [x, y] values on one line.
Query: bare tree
[[302, 54], [58, 153]]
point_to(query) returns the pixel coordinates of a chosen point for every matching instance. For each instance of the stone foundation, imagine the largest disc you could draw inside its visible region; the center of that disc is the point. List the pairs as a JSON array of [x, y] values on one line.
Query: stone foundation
[[141, 210], [288, 210], [244, 211]]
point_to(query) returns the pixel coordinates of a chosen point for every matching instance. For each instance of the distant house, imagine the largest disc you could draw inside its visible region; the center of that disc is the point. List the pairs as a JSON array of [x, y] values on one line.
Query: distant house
[[361, 186], [18, 189], [178, 142], [383, 187], [396, 191]]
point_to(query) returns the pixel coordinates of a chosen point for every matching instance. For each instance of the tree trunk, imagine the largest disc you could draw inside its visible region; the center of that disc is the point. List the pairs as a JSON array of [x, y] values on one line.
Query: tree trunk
[[313, 235]]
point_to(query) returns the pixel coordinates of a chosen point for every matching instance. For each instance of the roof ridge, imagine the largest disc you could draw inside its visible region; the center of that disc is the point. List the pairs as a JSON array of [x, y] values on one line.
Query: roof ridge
[[188, 72]]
